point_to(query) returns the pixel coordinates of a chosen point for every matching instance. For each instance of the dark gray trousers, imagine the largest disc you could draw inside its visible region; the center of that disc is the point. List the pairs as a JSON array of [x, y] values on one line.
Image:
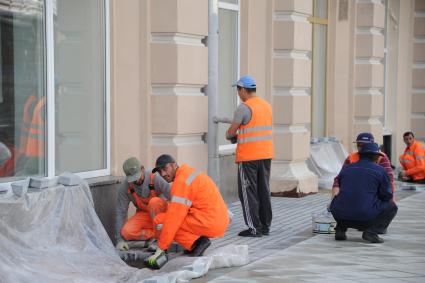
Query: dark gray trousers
[[254, 193]]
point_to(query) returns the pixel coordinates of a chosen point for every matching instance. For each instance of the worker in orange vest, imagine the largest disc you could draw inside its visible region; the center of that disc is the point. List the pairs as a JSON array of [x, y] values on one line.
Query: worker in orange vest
[[413, 160], [30, 154], [383, 161], [149, 193], [195, 213], [251, 129]]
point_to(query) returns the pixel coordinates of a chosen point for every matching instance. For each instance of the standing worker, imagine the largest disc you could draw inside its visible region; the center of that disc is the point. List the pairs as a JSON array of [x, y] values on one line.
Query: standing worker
[[251, 129], [413, 160], [143, 189], [364, 138], [195, 213]]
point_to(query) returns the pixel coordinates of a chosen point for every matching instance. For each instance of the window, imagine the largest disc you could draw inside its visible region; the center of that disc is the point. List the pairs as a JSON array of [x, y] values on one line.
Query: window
[[228, 61], [318, 89], [53, 94]]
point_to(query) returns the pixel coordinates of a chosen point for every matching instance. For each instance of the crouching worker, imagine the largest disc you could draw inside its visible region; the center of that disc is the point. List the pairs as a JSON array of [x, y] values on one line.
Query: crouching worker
[[195, 213], [148, 192], [364, 199]]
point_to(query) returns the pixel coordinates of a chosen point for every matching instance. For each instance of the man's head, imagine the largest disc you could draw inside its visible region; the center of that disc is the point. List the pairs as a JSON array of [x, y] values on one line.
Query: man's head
[[408, 138], [166, 166], [246, 87], [134, 171], [364, 138], [370, 151]]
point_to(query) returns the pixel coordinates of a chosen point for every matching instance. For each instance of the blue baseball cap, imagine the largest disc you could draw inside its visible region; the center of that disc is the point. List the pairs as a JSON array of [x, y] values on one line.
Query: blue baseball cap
[[246, 82], [370, 148], [365, 138]]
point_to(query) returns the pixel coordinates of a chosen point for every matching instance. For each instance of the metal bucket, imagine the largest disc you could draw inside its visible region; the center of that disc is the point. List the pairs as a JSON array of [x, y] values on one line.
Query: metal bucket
[[323, 223]]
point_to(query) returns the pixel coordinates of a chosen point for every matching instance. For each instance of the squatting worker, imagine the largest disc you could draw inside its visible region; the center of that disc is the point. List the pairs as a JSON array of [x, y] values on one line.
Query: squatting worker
[[195, 213], [148, 192], [413, 160], [364, 200], [252, 130], [383, 160]]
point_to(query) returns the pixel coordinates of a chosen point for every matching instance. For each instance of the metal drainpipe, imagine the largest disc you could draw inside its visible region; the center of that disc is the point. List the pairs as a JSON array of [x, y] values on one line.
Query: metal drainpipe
[[212, 43]]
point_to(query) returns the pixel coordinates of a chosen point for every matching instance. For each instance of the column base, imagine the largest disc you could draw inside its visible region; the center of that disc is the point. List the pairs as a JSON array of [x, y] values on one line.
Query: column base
[[292, 179]]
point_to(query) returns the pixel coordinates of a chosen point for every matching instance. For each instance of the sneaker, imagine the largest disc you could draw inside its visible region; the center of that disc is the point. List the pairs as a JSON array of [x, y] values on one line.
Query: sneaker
[[200, 246], [340, 235], [372, 237], [249, 233]]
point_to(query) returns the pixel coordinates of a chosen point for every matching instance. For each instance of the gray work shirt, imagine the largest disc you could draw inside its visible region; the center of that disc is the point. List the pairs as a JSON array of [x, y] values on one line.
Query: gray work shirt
[[162, 189], [242, 114]]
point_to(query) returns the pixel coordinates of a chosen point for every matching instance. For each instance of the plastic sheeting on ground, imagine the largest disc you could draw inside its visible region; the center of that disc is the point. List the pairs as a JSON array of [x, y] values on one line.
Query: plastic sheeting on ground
[[54, 235], [326, 158]]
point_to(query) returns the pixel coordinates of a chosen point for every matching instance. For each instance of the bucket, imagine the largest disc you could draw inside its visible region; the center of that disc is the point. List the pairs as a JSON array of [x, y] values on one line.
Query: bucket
[[323, 223]]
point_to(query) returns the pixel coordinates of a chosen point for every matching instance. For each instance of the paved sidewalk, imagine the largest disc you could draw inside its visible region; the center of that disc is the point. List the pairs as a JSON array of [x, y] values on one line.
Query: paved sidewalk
[[322, 259]]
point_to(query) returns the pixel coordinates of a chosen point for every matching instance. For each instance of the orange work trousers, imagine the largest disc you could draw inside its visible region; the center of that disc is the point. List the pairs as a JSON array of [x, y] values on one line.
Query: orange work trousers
[[140, 225], [185, 236]]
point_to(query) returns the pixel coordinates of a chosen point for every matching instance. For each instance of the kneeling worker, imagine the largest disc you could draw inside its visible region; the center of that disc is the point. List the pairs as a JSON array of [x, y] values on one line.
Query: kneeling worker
[[148, 192], [364, 199], [195, 213]]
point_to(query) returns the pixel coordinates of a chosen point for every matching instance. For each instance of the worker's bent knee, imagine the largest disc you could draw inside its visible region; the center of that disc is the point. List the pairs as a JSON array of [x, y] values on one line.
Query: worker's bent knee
[[130, 233]]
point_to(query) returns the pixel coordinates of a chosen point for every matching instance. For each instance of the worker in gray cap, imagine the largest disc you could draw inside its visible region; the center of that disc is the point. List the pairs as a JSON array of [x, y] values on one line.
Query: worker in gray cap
[[149, 193]]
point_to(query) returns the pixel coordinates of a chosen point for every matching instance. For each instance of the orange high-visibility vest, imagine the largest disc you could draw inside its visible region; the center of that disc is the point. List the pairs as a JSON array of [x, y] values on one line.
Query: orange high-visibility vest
[[413, 161], [255, 139], [139, 202], [26, 123], [35, 140], [195, 201]]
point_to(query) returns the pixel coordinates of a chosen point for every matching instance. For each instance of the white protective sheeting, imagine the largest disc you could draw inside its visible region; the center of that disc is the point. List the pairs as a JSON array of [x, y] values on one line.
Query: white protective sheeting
[[54, 235], [326, 158]]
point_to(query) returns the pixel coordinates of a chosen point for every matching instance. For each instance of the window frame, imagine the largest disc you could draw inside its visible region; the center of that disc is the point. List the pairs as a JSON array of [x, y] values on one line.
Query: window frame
[[49, 61], [228, 149]]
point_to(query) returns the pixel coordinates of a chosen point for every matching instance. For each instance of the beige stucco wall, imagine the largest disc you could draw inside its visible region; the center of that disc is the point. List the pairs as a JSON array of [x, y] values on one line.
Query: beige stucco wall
[[159, 68]]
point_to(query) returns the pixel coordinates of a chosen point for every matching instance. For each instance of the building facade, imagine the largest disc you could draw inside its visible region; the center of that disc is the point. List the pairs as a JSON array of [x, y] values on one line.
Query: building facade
[[142, 78]]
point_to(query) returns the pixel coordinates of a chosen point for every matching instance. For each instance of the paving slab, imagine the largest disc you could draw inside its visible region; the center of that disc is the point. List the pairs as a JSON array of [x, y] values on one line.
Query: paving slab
[[319, 258]]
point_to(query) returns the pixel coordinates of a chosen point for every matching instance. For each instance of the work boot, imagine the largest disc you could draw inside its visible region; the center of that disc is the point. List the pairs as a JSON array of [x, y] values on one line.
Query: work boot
[[200, 246], [249, 233], [372, 237], [340, 235]]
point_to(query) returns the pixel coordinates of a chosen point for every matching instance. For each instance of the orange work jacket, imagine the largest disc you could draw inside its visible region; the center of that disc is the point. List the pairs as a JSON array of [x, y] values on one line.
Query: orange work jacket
[[255, 139], [413, 161], [35, 139], [139, 202], [26, 123], [196, 200]]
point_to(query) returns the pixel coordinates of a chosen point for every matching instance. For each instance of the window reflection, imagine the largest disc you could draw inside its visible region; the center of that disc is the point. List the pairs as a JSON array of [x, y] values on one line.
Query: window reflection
[[22, 101]]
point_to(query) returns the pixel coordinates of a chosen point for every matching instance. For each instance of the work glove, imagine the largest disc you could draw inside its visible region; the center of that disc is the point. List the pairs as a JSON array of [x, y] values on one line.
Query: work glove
[[157, 260], [122, 246]]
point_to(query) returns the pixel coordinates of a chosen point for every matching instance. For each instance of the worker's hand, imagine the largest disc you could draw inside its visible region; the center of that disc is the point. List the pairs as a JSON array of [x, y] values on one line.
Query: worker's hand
[[122, 246], [153, 258], [335, 192], [234, 139]]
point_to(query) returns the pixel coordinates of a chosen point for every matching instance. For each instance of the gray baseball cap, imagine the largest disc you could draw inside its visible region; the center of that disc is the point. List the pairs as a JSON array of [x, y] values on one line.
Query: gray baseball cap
[[132, 169]]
